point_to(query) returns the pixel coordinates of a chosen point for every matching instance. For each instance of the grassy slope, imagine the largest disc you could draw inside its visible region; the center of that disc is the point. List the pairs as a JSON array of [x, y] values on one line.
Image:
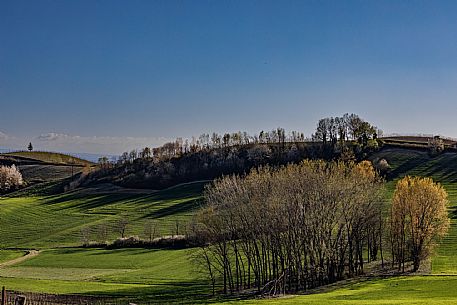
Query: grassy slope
[[415, 290], [45, 172], [37, 167], [6, 255], [132, 273], [167, 275], [49, 157], [54, 221], [443, 169]]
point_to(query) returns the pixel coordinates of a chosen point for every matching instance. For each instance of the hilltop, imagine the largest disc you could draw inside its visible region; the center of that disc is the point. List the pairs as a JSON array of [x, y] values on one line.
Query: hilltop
[[54, 158], [37, 166], [162, 170]]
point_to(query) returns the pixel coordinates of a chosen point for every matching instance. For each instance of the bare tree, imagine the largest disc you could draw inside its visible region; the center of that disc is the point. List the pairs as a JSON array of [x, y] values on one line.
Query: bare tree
[[177, 226], [121, 226], [293, 228], [146, 153], [102, 233], [150, 229], [85, 236]]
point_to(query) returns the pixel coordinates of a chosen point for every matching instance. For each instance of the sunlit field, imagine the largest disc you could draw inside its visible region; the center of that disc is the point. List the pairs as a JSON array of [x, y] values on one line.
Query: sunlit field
[[161, 276]]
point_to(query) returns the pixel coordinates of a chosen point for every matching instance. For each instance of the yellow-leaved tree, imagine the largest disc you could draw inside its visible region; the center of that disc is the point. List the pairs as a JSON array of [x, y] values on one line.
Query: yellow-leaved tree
[[419, 218]]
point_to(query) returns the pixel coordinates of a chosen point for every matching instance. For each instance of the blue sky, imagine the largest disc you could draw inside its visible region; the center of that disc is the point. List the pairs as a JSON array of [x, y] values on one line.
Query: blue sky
[[106, 76]]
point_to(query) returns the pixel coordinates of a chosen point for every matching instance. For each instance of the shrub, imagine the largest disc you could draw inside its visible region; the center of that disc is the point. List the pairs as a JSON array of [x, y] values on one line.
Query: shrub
[[126, 242], [10, 178], [382, 166], [169, 242]]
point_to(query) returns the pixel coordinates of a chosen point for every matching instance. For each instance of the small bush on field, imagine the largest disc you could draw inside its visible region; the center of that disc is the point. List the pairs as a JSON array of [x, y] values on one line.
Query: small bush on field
[[10, 178], [382, 166], [176, 241], [126, 242]]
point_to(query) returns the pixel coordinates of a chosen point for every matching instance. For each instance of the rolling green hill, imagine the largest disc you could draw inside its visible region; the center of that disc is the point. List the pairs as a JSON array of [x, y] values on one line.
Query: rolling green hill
[[442, 168], [53, 221], [161, 276]]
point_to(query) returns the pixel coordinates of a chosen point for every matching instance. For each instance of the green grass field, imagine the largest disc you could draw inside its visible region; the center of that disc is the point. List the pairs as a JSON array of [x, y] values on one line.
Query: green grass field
[[55, 221], [7, 255], [138, 274], [168, 276], [432, 290]]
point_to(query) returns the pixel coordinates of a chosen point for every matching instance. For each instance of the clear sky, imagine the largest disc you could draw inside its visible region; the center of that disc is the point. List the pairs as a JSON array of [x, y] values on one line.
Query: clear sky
[[106, 76]]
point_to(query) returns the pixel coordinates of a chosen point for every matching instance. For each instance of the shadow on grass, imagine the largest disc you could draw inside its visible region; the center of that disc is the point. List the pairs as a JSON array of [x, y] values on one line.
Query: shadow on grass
[[180, 207], [127, 251], [441, 168], [198, 292], [83, 201], [406, 167]]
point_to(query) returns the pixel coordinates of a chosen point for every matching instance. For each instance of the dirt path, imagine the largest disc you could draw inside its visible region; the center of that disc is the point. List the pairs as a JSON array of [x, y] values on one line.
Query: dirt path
[[28, 255]]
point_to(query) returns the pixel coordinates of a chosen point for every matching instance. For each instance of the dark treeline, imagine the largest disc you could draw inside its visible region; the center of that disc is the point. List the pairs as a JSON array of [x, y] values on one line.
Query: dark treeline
[[203, 158], [205, 164], [206, 142], [211, 156], [291, 229], [334, 132]]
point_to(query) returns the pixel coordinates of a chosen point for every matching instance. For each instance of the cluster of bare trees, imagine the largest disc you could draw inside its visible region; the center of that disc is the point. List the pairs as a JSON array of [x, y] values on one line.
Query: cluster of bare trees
[[215, 140], [339, 130], [123, 230], [332, 130], [10, 178], [418, 219], [292, 228], [100, 233], [212, 155], [205, 164], [206, 142]]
